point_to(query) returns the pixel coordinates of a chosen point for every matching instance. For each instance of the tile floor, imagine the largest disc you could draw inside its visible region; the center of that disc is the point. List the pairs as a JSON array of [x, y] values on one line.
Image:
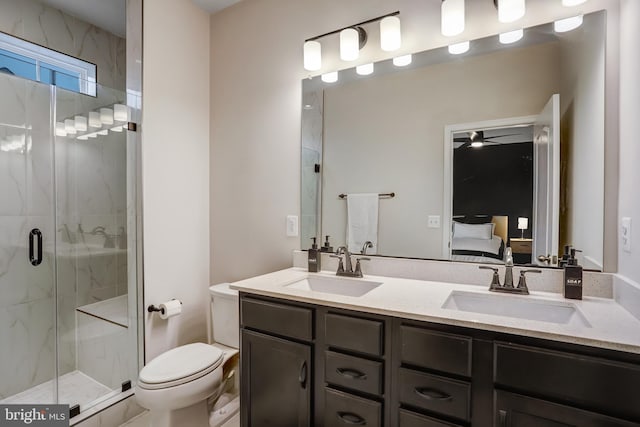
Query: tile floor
[[144, 420], [74, 388]]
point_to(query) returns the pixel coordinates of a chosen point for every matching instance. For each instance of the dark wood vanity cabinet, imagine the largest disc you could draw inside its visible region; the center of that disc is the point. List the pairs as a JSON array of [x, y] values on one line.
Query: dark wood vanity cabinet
[[276, 364], [309, 365]]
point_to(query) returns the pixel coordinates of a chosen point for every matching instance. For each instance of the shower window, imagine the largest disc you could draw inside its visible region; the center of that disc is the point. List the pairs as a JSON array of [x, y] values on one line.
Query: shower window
[[31, 61]]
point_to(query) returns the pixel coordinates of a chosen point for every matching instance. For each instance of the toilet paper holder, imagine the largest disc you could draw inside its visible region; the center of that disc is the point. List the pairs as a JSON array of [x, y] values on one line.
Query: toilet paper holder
[[153, 309]]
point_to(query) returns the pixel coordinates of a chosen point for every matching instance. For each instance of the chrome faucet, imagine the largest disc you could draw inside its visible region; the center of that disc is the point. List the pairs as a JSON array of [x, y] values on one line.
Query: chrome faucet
[[508, 272], [101, 231], [345, 269], [522, 283], [366, 245]]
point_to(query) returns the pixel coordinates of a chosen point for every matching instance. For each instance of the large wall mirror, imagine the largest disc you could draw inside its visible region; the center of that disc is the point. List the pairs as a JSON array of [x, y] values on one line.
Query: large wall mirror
[[502, 146]]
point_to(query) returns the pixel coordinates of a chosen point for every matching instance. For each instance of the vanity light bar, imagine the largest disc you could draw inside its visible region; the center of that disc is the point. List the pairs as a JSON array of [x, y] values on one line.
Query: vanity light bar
[[353, 38]]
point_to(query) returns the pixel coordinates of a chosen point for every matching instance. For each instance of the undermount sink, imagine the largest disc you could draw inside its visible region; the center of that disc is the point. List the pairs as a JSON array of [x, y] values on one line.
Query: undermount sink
[[519, 307], [335, 285]]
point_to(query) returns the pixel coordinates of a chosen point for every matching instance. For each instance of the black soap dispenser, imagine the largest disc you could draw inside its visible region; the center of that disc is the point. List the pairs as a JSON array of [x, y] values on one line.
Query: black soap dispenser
[[314, 257], [573, 277], [327, 246]]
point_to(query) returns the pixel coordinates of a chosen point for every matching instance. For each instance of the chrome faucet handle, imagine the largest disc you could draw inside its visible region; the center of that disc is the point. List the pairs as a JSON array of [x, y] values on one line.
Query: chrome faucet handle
[[340, 264], [495, 279], [358, 269], [522, 282]]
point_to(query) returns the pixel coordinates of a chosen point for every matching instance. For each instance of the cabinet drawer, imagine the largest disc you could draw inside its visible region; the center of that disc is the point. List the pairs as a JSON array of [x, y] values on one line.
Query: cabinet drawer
[[353, 333], [436, 394], [410, 419], [342, 409], [521, 246], [280, 319], [353, 372], [436, 350], [598, 384], [515, 410]]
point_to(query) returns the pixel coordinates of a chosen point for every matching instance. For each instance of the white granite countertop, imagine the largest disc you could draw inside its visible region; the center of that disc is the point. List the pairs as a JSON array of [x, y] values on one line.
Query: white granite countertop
[[611, 326]]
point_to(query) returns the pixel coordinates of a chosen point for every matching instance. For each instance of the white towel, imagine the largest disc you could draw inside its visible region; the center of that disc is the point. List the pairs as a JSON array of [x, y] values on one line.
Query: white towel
[[362, 221]]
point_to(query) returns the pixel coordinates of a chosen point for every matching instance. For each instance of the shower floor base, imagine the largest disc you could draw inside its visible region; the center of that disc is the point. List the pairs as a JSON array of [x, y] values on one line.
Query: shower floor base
[[73, 388]]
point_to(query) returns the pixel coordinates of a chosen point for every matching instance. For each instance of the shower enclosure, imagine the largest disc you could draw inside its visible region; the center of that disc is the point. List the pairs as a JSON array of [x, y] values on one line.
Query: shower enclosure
[[68, 246]]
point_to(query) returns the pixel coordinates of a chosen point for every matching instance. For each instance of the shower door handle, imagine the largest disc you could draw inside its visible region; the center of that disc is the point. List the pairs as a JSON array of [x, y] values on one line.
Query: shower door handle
[[35, 237]]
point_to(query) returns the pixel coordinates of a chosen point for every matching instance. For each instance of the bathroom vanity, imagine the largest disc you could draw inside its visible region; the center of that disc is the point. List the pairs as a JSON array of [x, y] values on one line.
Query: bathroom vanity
[[325, 351]]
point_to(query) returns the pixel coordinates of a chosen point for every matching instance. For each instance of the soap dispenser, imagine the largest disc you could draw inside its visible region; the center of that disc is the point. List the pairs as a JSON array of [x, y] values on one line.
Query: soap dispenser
[[314, 257], [327, 246], [573, 277]]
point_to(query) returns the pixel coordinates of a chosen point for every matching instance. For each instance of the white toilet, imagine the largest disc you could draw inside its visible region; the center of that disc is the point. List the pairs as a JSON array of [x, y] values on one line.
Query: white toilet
[[176, 385]]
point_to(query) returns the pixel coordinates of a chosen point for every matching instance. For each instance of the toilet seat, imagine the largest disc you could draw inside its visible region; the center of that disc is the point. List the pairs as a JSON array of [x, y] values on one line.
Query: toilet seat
[[180, 365]]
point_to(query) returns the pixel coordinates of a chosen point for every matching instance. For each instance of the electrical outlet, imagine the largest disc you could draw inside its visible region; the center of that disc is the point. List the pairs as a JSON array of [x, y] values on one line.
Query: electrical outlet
[[625, 234], [292, 225], [434, 221]]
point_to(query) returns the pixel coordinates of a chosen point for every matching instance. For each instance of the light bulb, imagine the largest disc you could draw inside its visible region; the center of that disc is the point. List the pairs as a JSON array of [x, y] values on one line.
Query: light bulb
[[365, 70], [452, 17], [70, 127], [477, 144], [312, 55], [80, 123], [390, 34], [402, 61], [568, 24], [60, 130], [459, 48], [120, 113], [349, 44], [106, 116], [331, 77], [94, 119], [511, 36], [510, 10]]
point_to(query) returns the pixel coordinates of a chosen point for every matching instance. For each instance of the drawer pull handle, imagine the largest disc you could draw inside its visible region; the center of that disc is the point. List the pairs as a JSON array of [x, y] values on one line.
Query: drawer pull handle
[[351, 373], [351, 418], [432, 394], [302, 378]]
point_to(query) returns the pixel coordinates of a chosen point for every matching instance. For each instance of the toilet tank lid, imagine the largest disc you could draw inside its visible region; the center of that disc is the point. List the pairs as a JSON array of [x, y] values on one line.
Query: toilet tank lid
[[181, 362], [223, 290]]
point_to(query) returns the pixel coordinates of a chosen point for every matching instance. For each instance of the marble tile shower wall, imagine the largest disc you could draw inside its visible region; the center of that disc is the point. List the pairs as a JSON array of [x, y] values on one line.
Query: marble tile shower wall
[[26, 303], [91, 191], [49, 27], [311, 155]]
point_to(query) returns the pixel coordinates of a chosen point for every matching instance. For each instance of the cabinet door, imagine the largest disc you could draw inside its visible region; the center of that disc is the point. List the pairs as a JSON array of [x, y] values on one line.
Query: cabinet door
[[276, 382], [513, 410]]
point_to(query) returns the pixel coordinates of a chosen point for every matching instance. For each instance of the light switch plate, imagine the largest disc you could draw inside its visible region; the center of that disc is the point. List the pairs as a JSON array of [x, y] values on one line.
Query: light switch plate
[[434, 221], [625, 234], [292, 225]]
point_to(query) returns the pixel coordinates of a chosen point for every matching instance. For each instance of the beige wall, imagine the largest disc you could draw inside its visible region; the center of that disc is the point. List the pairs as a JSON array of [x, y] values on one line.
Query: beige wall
[[175, 170], [386, 134], [256, 68], [629, 131]]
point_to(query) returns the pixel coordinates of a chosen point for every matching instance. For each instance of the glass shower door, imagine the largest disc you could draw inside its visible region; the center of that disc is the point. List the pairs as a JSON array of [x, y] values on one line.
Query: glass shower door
[[95, 178], [27, 285]]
